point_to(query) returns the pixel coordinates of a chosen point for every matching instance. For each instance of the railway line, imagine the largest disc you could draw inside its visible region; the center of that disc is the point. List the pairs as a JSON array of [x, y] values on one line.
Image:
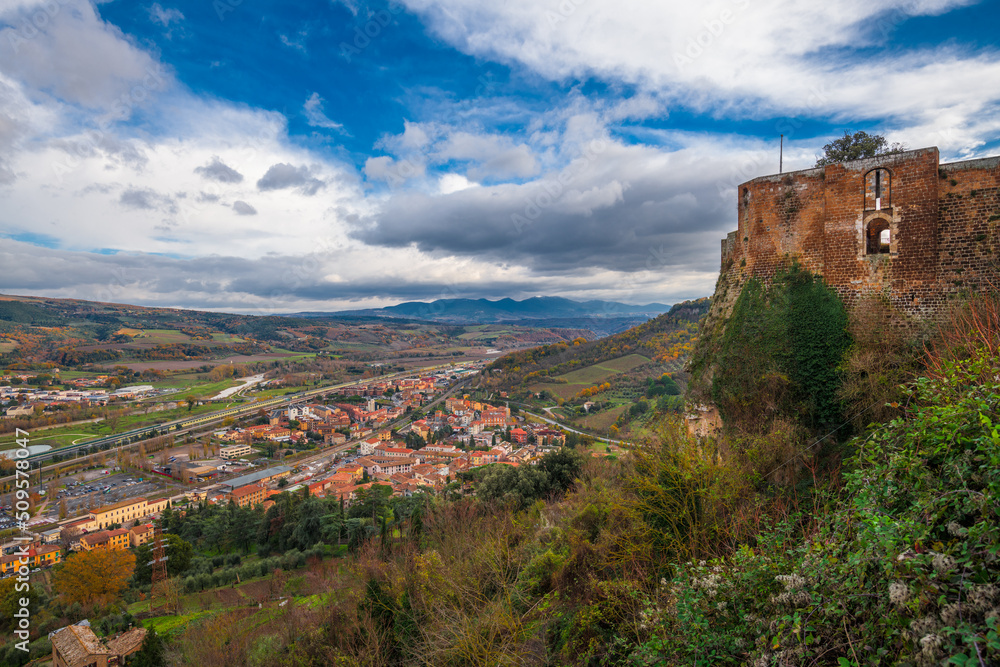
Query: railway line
[[137, 434]]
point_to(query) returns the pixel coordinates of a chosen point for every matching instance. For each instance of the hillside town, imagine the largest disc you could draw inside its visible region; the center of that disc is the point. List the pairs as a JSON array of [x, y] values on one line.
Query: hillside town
[[427, 454]]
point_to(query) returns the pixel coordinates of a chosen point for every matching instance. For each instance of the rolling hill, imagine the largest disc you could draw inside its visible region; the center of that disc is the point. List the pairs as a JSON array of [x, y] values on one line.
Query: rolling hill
[[554, 310]]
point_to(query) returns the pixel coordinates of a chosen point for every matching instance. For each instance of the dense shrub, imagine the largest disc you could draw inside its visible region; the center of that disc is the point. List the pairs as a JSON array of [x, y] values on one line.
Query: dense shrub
[[780, 352], [903, 570]]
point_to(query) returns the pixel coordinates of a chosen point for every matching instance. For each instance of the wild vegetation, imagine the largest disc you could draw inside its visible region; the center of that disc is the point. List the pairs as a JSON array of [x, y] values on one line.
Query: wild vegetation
[[677, 555], [880, 549]]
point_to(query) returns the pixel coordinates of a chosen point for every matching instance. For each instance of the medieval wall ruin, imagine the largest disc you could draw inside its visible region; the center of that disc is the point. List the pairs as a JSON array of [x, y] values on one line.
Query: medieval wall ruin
[[902, 225]]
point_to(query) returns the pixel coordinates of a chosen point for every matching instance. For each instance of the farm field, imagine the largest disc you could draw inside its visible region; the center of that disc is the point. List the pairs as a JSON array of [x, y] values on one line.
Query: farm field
[[486, 331], [598, 373], [279, 391], [159, 336], [603, 420], [181, 365], [352, 345], [290, 355], [192, 384], [304, 586], [75, 375], [590, 375], [227, 338]]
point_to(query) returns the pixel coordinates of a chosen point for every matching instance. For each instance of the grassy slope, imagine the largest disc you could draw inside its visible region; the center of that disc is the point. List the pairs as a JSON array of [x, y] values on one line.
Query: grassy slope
[[654, 340], [661, 345]]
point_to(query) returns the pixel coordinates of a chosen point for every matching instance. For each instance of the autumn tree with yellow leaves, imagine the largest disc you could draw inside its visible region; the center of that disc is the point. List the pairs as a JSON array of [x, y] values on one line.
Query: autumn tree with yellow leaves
[[93, 577]]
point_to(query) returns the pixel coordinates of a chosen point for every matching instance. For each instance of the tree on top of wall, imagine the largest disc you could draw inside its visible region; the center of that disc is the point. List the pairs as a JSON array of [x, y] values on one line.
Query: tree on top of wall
[[857, 146]]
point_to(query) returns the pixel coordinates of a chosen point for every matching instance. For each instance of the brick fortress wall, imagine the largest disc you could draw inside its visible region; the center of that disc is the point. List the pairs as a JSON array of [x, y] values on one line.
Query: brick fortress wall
[[902, 225]]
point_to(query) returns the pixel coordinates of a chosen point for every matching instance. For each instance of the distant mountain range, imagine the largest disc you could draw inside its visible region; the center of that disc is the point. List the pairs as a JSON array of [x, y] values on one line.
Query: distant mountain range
[[484, 311]]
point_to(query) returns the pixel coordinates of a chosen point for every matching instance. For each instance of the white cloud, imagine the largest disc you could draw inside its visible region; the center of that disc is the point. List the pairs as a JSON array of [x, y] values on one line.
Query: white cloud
[[469, 209], [19, 120], [731, 57], [78, 58], [298, 44], [449, 183], [164, 17], [313, 109], [393, 172]]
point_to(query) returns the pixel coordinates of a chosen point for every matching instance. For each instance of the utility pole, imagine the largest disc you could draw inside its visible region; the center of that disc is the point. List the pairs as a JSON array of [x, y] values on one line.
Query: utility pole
[[161, 580]]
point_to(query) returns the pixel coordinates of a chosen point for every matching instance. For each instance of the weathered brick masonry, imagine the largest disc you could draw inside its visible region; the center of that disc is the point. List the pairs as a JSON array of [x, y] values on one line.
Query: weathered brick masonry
[[903, 225]]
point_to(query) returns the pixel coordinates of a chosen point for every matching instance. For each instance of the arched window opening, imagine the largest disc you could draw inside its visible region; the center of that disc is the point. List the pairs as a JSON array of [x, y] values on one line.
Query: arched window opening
[[878, 237], [878, 190]]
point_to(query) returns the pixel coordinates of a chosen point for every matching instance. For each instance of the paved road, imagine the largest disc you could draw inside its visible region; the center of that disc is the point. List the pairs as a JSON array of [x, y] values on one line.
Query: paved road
[[573, 430], [247, 383]]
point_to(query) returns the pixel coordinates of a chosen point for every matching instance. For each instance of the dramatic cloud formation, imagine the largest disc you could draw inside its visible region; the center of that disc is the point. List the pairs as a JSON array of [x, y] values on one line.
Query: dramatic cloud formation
[[323, 155]]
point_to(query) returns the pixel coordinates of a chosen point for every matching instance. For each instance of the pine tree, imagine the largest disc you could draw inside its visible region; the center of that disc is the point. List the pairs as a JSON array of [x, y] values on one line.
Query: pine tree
[[151, 653]]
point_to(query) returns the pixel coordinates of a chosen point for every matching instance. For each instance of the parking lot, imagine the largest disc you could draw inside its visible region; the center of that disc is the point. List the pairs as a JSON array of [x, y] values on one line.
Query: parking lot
[[107, 490], [7, 521], [91, 489]]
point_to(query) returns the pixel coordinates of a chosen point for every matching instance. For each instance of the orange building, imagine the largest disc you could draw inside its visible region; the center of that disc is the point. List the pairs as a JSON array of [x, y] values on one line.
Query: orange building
[[249, 495]]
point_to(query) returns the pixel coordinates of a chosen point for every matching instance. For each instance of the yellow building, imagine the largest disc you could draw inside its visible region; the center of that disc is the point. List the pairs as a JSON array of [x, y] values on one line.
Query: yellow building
[[81, 524], [354, 470], [156, 506], [126, 511], [110, 540], [139, 535], [122, 512], [42, 556]]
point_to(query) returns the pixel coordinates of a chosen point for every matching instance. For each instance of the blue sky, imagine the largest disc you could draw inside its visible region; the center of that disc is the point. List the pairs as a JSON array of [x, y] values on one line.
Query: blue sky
[[264, 156]]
